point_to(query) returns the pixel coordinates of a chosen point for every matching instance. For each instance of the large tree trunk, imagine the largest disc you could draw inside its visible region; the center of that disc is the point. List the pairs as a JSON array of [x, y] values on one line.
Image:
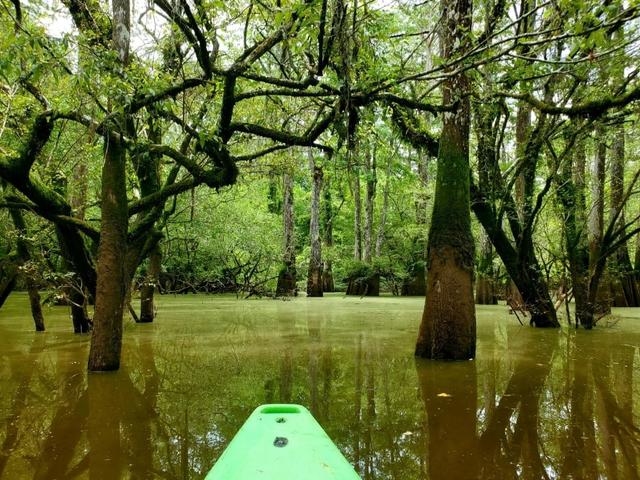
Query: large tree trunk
[[314, 278], [287, 276], [624, 288], [327, 219], [106, 338], [448, 328], [25, 258]]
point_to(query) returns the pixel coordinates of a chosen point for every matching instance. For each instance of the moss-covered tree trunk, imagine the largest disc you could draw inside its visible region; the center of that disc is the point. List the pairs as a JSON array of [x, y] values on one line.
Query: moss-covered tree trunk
[[448, 328], [314, 277], [287, 277], [106, 338]]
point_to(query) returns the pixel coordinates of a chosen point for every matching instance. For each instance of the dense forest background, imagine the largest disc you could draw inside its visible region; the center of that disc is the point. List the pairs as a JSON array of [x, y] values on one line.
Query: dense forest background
[[270, 148]]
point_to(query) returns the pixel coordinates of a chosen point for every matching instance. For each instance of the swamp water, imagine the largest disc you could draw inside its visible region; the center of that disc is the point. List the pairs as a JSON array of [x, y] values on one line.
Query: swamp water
[[534, 404]]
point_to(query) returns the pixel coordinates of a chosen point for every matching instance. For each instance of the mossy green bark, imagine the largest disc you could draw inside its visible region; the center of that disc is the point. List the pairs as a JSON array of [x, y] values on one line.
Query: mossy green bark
[[448, 328], [106, 339]]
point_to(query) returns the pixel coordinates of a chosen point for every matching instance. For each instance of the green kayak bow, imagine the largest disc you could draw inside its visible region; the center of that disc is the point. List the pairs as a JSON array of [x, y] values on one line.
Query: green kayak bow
[[281, 442]]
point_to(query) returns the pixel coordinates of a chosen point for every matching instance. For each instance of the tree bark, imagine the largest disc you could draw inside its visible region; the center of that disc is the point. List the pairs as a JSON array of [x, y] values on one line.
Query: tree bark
[[106, 339], [113, 282], [287, 276], [314, 278], [448, 328]]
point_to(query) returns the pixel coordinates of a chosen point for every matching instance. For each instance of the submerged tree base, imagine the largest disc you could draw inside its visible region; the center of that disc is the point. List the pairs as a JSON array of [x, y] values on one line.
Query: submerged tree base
[[287, 283], [365, 286], [448, 328]]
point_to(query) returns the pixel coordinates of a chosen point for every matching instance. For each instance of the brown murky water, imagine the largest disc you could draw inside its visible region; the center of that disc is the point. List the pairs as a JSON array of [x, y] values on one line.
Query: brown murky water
[[535, 404]]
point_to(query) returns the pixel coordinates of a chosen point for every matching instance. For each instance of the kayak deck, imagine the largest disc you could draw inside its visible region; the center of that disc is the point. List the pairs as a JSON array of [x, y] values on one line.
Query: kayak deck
[[284, 442]]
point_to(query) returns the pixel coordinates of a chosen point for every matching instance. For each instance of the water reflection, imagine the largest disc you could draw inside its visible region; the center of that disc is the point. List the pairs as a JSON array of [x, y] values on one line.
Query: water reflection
[[534, 405]]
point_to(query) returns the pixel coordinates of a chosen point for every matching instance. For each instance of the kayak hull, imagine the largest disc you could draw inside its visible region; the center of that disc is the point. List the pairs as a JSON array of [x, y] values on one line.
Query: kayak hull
[[283, 442]]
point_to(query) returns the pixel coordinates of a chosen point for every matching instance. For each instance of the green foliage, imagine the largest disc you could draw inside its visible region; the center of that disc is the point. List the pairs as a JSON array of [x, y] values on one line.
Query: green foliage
[[231, 243]]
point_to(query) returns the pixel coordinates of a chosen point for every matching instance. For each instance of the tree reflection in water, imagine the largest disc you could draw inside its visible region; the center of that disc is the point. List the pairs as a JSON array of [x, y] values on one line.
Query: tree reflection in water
[[533, 405]]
